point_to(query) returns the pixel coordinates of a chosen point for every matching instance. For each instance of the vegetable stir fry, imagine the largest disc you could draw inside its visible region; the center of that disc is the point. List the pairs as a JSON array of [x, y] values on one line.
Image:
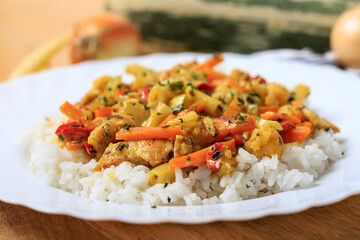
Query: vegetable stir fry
[[186, 117]]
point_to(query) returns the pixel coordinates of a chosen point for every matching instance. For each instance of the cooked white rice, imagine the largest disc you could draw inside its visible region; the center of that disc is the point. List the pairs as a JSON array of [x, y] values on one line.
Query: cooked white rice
[[127, 183]]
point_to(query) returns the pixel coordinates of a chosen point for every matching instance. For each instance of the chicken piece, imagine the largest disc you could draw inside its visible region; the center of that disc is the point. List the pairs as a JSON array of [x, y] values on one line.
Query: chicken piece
[[319, 122], [277, 95], [265, 141], [105, 132], [144, 152]]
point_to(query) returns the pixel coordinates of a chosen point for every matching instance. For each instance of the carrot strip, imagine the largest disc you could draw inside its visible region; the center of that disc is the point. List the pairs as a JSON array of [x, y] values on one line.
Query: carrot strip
[[297, 109], [71, 111], [213, 75], [234, 129], [234, 108], [297, 134], [275, 116], [197, 158], [264, 109], [143, 133], [103, 112], [166, 120], [75, 114], [211, 62], [198, 107]]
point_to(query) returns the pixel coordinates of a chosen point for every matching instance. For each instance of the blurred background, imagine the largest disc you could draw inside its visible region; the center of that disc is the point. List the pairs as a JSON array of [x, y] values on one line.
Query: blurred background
[[38, 34]]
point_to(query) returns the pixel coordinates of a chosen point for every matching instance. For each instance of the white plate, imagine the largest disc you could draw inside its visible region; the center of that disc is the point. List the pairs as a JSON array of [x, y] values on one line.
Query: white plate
[[335, 95]]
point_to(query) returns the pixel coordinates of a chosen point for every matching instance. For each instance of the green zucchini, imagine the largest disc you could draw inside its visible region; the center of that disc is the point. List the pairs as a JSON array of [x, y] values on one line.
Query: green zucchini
[[233, 25]]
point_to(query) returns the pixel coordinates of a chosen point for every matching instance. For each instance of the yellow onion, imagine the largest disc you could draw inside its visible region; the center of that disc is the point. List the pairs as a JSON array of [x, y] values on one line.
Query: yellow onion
[[104, 36], [345, 38]]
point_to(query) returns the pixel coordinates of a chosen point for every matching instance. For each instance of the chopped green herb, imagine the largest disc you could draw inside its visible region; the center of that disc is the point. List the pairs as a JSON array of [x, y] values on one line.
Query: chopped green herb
[[127, 145], [166, 126], [216, 155], [127, 127], [181, 120], [192, 86], [120, 147], [250, 100], [109, 89], [161, 84], [105, 101], [188, 159], [168, 199], [61, 138], [158, 113], [107, 132], [176, 85], [229, 121], [166, 184], [240, 100], [247, 186], [242, 117], [258, 134], [177, 109], [153, 206]]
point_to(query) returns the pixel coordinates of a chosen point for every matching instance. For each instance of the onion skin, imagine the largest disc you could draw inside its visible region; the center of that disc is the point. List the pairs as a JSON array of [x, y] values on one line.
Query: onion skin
[[345, 38], [104, 36]]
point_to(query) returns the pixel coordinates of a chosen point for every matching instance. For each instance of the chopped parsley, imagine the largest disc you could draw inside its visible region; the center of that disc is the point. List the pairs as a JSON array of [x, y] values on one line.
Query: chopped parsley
[[166, 184], [105, 100], [241, 117], [188, 159], [153, 206], [240, 100], [158, 113], [127, 127], [192, 86], [120, 147], [181, 120], [176, 85], [248, 186], [177, 109], [250, 100], [61, 138], [216, 155], [168, 199], [166, 126], [161, 84]]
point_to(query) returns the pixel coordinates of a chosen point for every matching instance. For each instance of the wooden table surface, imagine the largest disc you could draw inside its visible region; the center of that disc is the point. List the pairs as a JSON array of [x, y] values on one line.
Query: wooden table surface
[[25, 24]]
